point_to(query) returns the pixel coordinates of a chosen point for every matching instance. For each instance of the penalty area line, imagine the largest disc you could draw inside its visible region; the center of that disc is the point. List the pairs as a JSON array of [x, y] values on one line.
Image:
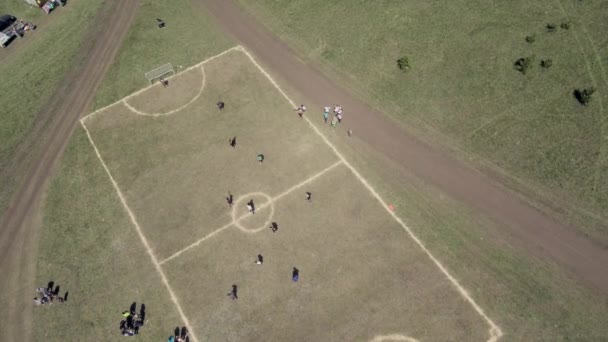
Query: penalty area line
[[140, 233], [124, 99]]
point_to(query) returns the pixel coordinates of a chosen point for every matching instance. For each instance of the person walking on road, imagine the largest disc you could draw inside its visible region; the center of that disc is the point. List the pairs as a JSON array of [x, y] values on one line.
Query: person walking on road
[[326, 110], [337, 109]]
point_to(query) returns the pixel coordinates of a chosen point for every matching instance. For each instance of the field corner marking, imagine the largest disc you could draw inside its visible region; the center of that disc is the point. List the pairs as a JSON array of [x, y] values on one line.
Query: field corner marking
[[494, 330], [139, 231]]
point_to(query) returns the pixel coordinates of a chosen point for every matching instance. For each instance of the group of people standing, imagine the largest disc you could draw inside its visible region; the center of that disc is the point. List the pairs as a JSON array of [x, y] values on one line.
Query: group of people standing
[[337, 119], [49, 295], [337, 115], [129, 326]]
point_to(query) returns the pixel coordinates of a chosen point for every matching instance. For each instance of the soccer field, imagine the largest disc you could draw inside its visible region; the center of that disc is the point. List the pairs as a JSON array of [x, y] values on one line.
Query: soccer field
[[363, 275]]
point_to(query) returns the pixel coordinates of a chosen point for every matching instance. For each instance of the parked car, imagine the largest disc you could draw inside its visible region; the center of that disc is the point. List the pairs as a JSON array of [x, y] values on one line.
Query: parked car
[[7, 34]]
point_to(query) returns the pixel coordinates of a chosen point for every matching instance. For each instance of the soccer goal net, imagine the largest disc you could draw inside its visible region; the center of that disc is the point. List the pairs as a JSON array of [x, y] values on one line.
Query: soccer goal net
[[160, 72]]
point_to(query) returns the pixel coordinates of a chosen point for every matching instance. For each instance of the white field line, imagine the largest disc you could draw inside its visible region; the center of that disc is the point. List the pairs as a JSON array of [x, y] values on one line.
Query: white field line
[[173, 111], [154, 85], [495, 332], [261, 207], [301, 184], [198, 242], [143, 239], [393, 338]]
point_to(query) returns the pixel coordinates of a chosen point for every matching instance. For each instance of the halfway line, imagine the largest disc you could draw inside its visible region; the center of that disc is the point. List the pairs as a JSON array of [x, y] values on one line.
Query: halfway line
[[284, 193]]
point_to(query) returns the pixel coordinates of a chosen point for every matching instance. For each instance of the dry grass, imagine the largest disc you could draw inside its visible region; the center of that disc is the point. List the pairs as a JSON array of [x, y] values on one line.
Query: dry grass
[[361, 275]]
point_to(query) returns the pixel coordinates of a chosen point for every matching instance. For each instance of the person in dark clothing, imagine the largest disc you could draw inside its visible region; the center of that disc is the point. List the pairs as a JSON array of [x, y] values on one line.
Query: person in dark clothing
[[220, 105], [295, 275], [232, 142], [229, 199], [160, 23], [233, 293], [308, 196], [274, 227], [251, 207]]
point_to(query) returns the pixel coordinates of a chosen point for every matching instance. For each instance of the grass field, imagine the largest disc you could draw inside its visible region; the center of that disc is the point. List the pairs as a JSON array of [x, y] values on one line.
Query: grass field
[[188, 38], [174, 170], [90, 249], [462, 89], [86, 229], [32, 70]]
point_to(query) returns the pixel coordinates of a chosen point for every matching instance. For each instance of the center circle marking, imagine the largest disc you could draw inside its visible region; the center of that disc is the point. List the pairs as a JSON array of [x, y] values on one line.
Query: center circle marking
[[237, 220]]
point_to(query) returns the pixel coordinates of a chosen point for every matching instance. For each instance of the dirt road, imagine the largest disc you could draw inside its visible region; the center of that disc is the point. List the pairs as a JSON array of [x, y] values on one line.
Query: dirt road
[[537, 233], [40, 151]]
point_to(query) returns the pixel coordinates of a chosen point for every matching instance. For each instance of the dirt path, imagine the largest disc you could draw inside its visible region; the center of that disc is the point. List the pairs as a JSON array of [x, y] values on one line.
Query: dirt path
[[537, 233], [44, 145]]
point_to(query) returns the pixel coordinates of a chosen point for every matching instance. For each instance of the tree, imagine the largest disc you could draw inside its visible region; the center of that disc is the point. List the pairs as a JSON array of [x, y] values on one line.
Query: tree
[[403, 64], [583, 96], [531, 38], [546, 63], [523, 64]]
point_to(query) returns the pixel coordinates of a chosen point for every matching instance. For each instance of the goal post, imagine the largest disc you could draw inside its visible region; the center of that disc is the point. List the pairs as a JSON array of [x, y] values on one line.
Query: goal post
[[160, 72]]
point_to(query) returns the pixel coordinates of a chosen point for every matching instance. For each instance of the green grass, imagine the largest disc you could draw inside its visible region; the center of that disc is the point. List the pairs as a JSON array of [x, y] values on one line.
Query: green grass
[[188, 38], [462, 86], [22, 10], [87, 244], [529, 298], [89, 247], [33, 68]]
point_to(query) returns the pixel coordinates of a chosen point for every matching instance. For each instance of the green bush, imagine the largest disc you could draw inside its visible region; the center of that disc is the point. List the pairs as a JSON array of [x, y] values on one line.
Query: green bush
[[531, 38], [551, 27], [583, 96], [546, 63], [523, 64], [403, 64], [565, 25]]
